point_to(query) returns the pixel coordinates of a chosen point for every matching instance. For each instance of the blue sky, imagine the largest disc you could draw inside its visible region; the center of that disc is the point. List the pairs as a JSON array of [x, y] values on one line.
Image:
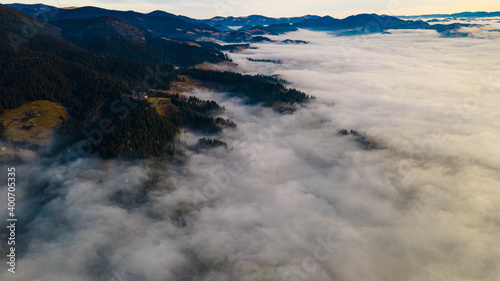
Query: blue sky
[[277, 8]]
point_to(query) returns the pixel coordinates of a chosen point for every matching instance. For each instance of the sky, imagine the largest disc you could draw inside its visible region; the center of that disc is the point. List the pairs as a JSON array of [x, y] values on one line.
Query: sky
[[286, 8]]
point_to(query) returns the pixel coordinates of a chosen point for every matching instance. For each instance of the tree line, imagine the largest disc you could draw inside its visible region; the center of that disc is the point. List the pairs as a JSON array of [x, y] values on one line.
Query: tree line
[[256, 88]]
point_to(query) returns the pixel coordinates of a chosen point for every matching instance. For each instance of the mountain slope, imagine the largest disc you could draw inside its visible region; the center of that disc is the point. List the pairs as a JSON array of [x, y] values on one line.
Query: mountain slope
[[87, 84], [96, 87], [31, 9], [369, 23], [159, 23], [117, 37], [18, 21], [254, 20], [456, 15], [272, 29], [363, 21]]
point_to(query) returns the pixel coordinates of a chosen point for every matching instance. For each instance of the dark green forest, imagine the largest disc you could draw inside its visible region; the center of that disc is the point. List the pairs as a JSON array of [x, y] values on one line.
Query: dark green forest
[[2, 131], [210, 143], [195, 113], [141, 134], [103, 86], [362, 138], [256, 88], [104, 35]]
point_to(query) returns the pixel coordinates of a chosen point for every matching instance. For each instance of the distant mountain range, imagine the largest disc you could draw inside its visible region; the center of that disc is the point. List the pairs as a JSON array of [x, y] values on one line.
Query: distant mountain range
[[86, 58], [456, 15], [114, 36], [158, 22], [251, 29], [368, 22], [254, 20]]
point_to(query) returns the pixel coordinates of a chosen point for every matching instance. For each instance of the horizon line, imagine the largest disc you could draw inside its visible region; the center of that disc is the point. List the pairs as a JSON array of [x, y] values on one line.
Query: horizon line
[[244, 16]]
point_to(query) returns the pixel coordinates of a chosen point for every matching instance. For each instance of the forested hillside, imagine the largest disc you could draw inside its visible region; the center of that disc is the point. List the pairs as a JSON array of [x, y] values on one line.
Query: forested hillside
[[114, 36], [108, 83], [159, 22], [88, 85], [256, 88]]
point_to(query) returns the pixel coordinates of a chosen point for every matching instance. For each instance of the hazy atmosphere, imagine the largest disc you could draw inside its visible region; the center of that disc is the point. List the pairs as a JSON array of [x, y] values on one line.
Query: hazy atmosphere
[[282, 8], [421, 206]]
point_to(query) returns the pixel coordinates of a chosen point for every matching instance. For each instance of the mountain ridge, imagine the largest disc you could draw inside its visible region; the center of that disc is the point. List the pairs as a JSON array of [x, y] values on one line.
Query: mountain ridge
[[92, 82], [114, 36], [165, 24], [175, 27], [478, 14]]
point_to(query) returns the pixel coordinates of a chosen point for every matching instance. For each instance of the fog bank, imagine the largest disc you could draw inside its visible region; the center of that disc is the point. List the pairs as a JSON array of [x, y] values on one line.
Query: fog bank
[[292, 199]]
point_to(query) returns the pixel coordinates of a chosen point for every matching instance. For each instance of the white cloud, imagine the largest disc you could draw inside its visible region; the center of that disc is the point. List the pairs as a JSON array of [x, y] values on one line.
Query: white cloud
[[293, 200]]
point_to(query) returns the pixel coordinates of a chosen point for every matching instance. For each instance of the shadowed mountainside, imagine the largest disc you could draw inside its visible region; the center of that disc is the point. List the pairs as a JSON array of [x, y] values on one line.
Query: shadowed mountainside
[[115, 36]]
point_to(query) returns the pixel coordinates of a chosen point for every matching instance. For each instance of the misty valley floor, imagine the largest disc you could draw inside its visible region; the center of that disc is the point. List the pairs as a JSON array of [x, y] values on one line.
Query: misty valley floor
[[292, 199]]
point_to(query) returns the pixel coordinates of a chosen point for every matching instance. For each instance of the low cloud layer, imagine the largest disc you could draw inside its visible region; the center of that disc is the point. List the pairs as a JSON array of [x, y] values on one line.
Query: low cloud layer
[[292, 199]]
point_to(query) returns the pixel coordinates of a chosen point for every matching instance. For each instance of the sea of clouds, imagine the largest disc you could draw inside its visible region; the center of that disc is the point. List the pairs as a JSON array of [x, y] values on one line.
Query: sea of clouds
[[291, 199]]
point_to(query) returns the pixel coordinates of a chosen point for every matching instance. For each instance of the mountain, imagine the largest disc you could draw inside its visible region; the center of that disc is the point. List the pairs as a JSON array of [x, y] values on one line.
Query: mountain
[[38, 62], [456, 15], [254, 20], [369, 23], [361, 21], [32, 10], [12, 19], [352, 25], [114, 36], [75, 77], [321, 22], [163, 24], [158, 22], [92, 87], [273, 29]]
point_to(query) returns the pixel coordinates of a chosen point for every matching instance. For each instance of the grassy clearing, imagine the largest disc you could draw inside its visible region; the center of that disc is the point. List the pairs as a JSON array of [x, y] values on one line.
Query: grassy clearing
[[189, 84], [163, 105], [34, 122], [221, 66]]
